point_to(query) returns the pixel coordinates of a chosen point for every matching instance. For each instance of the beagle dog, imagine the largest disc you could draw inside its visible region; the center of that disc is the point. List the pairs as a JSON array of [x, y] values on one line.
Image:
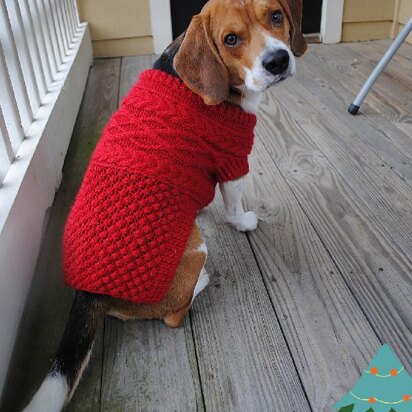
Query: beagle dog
[[232, 52]]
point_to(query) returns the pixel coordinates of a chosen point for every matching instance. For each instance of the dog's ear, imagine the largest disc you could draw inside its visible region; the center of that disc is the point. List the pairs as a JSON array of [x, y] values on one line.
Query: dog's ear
[[294, 11], [199, 65]]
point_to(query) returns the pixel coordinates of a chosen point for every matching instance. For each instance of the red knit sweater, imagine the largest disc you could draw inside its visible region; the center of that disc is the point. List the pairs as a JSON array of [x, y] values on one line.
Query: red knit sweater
[[155, 167]]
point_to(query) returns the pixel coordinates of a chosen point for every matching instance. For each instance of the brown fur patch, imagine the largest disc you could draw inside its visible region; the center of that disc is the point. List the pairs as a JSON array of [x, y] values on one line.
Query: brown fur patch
[[199, 65], [178, 299]]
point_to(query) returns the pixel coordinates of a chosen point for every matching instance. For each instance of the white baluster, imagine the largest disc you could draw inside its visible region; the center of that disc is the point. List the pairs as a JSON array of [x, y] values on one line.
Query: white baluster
[[73, 19], [67, 21], [76, 11], [40, 40], [39, 70], [15, 69], [9, 105], [24, 54], [62, 30], [54, 31], [6, 151]]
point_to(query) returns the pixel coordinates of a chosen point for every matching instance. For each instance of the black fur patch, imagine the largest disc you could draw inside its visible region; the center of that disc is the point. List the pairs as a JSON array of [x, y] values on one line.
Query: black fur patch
[[165, 61], [88, 311]]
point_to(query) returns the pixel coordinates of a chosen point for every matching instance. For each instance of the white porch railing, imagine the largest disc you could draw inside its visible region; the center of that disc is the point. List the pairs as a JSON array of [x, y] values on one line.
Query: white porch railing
[[35, 38], [45, 56]]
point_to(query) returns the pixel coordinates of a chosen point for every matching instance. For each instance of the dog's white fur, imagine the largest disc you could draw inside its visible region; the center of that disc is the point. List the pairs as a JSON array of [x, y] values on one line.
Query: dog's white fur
[[202, 282], [51, 395], [54, 393], [258, 79], [203, 279], [235, 215]]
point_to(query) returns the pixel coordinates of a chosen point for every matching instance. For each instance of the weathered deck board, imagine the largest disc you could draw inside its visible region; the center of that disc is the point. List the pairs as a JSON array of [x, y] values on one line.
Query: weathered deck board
[[352, 235], [131, 69], [141, 357], [319, 316], [386, 141], [330, 85], [380, 188], [391, 93], [147, 367], [404, 52], [345, 83], [398, 69], [243, 358], [388, 96], [49, 300]]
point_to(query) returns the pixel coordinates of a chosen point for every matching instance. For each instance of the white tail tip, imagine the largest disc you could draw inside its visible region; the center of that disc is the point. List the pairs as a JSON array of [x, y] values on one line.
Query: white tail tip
[[51, 395]]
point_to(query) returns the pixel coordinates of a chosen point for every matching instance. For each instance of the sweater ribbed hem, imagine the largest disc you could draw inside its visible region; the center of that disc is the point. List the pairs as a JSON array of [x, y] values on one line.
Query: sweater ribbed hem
[[172, 87], [232, 170]]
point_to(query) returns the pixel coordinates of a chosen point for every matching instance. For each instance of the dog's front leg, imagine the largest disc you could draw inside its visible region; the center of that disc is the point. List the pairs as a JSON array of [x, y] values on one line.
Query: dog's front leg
[[235, 215]]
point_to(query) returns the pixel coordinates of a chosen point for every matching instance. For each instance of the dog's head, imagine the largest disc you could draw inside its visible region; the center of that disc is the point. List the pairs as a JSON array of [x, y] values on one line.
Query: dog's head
[[240, 44]]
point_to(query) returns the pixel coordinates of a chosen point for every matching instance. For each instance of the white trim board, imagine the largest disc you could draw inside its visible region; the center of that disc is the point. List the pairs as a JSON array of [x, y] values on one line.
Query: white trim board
[[29, 187], [161, 19], [332, 19], [160, 14]]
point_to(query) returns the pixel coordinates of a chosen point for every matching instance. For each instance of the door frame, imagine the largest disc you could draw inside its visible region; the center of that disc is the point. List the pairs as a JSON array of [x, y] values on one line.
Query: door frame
[[161, 19], [331, 21]]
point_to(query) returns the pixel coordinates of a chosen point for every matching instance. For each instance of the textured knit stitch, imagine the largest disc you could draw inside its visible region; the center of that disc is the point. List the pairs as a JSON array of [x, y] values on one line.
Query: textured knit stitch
[[155, 167]]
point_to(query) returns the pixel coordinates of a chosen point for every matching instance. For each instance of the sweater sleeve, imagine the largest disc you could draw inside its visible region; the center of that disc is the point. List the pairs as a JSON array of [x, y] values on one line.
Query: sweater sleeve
[[231, 169]]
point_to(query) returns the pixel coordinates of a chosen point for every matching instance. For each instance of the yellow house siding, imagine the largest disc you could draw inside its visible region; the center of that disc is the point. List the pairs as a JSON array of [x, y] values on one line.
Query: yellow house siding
[[405, 11], [123, 47], [367, 19], [366, 31], [368, 10], [118, 27], [404, 14]]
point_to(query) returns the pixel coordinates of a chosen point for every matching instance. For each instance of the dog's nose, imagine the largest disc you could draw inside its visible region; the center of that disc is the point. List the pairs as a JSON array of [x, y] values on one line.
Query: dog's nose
[[276, 62]]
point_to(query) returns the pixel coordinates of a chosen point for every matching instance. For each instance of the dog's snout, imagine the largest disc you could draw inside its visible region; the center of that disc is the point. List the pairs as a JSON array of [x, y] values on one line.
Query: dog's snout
[[277, 62]]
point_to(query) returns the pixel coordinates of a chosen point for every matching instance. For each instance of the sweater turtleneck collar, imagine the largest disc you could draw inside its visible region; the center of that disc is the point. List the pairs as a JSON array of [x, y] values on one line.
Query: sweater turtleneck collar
[[170, 87]]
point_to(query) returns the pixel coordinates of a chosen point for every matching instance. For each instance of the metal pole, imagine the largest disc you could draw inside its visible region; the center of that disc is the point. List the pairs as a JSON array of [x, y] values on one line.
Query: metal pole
[[354, 107]]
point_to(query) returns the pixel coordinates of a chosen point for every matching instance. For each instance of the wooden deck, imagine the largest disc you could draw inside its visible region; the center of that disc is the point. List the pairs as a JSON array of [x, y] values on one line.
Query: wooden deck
[[296, 309]]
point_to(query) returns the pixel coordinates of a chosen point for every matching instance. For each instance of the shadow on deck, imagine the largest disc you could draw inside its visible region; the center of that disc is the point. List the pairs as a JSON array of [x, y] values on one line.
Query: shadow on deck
[[295, 310]]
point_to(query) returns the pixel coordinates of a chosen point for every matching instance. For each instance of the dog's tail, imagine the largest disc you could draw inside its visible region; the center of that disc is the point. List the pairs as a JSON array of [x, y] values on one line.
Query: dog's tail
[[73, 354]]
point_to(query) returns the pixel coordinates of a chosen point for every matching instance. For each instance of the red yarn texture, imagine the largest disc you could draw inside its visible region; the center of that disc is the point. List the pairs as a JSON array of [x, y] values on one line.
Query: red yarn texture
[[155, 167]]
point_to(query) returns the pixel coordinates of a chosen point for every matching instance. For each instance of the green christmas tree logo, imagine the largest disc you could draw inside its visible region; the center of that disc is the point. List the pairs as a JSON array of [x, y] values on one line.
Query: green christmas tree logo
[[385, 386]]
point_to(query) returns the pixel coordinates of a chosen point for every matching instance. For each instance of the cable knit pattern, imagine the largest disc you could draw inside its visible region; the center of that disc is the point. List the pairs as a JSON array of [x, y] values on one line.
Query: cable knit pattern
[[155, 167]]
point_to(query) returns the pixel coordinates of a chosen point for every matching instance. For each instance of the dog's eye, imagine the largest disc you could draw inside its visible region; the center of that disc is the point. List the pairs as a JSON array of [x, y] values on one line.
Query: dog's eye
[[231, 40], [276, 17]]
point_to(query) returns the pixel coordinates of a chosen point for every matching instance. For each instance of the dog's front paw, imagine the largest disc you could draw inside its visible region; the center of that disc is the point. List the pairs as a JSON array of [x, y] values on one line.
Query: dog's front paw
[[245, 222]]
